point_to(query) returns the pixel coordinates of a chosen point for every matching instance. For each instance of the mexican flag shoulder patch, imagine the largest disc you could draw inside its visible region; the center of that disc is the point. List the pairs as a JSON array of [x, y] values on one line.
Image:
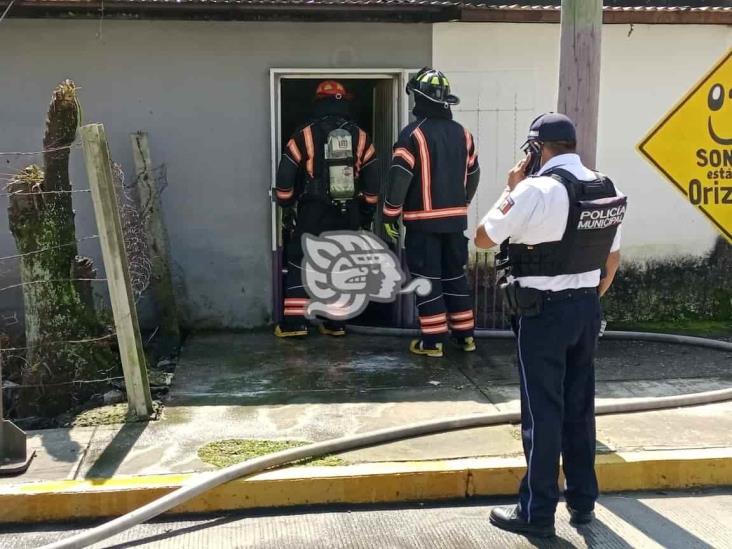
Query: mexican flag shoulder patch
[[506, 205]]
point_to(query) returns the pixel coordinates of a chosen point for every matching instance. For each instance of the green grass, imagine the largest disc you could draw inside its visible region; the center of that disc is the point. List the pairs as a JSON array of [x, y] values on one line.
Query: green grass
[[223, 453], [686, 327], [112, 414]]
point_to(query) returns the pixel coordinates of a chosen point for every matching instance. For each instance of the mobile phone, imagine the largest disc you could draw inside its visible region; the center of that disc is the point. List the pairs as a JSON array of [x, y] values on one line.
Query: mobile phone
[[533, 157], [528, 162]]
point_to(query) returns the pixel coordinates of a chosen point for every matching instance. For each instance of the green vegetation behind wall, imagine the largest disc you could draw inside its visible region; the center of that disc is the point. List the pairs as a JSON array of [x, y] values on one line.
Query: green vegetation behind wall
[[673, 290]]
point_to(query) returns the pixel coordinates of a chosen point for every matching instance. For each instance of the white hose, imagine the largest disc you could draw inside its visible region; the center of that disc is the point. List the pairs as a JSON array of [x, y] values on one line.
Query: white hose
[[203, 483], [508, 334]]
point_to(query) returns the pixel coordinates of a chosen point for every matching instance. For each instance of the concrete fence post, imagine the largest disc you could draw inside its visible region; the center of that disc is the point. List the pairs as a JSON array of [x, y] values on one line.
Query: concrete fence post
[[99, 170], [157, 239]]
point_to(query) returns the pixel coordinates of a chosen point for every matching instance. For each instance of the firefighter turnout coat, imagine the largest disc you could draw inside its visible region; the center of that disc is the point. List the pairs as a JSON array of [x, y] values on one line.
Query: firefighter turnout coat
[[301, 175], [433, 176]]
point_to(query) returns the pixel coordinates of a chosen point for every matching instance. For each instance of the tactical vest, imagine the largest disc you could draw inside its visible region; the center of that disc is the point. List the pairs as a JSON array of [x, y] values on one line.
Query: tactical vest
[[595, 213]]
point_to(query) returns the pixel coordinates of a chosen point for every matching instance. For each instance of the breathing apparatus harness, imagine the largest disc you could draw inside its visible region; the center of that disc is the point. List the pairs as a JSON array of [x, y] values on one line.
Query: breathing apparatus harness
[[336, 181]]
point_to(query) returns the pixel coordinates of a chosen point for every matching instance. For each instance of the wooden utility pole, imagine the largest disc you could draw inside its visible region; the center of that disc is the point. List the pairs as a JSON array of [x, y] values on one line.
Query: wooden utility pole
[[579, 71], [157, 239], [99, 170]]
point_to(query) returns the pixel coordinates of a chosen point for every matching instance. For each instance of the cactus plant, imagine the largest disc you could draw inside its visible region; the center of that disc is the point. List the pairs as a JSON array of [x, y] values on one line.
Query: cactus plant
[[58, 306]]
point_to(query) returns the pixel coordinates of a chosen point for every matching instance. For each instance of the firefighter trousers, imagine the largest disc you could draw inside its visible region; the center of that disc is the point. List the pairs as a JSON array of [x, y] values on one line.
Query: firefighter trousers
[[441, 258], [313, 218], [296, 298]]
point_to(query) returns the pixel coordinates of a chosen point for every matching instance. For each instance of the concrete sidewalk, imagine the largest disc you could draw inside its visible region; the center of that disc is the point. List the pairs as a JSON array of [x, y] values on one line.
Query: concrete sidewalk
[[677, 520], [253, 386]]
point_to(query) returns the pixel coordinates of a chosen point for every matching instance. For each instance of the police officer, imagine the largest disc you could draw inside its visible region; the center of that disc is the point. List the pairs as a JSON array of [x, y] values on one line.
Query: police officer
[[327, 180], [432, 179], [560, 238]]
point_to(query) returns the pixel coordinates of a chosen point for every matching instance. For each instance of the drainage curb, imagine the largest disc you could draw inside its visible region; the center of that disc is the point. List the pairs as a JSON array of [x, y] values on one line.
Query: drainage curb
[[362, 483]]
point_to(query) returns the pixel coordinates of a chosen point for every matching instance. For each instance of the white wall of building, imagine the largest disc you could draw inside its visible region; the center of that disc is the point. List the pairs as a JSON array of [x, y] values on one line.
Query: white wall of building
[[202, 91], [506, 74]]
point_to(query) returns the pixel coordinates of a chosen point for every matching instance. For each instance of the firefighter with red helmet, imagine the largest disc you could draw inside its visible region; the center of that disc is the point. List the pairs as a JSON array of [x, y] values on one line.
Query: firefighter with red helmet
[[327, 180], [433, 177]]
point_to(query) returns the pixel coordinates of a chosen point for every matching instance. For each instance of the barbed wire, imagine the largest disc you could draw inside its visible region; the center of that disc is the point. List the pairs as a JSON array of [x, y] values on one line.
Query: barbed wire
[[136, 248], [135, 241], [75, 145], [16, 386], [112, 333], [60, 342], [42, 250], [133, 232], [160, 175], [31, 282], [37, 193]]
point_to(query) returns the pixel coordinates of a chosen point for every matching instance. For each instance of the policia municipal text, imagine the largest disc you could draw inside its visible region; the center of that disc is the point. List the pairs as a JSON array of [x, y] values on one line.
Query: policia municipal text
[[559, 232]]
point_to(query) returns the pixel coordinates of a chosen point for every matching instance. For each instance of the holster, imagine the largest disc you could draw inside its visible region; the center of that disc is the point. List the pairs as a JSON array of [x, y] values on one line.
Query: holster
[[522, 301], [501, 259]]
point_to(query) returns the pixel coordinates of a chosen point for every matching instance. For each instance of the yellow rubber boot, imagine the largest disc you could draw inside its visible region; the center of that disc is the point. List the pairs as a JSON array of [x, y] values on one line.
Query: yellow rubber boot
[[333, 331], [290, 331], [467, 344], [417, 347]]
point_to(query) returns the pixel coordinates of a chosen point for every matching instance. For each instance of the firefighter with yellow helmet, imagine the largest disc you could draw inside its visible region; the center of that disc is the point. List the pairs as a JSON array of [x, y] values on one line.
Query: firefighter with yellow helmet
[[433, 177]]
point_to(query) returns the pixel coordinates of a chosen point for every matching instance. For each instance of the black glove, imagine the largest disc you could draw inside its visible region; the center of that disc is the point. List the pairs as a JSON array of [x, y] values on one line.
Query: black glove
[[366, 222], [289, 219], [366, 216]]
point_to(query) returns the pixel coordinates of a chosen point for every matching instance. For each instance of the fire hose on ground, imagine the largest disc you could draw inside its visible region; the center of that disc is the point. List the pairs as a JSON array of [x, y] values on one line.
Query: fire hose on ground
[[204, 483]]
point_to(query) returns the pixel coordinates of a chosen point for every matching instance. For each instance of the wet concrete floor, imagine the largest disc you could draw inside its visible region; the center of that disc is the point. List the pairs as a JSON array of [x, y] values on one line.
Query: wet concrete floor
[[255, 386], [257, 368]]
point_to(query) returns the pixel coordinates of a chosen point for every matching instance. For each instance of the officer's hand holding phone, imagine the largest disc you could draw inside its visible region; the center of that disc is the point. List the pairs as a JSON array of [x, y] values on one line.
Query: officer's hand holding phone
[[518, 172], [526, 166]]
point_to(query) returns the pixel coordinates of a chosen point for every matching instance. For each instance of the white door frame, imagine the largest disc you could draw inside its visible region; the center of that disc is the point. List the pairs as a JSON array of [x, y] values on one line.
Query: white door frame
[[400, 78], [401, 114]]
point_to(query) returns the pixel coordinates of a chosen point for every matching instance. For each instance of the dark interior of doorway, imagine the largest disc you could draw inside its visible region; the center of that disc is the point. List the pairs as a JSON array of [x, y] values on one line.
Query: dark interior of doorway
[[372, 108], [297, 103]]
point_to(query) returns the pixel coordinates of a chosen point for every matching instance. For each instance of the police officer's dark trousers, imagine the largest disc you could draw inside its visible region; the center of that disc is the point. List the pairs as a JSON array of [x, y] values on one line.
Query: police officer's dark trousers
[[441, 258], [555, 358]]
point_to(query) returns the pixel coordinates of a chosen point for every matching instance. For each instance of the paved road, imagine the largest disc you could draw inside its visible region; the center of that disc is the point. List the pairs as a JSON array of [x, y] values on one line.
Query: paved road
[[647, 520]]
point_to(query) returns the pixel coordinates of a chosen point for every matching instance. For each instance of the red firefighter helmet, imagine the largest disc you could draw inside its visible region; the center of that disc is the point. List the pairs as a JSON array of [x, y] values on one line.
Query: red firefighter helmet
[[332, 88]]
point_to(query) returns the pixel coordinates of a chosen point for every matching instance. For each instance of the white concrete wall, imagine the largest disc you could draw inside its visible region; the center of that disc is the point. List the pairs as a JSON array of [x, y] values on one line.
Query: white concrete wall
[[505, 74], [202, 91]]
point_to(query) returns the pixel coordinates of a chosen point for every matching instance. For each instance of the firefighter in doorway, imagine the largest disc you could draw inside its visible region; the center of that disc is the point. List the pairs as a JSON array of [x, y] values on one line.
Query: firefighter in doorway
[[327, 180], [433, 177]]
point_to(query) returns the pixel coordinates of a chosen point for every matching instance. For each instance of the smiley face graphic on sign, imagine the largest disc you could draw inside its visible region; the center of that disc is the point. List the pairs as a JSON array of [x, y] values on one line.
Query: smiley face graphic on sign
[[717, 101], [692, 146]]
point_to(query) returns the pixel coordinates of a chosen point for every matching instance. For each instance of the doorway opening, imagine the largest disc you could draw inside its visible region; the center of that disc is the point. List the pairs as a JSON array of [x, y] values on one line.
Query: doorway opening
[[378, 108]]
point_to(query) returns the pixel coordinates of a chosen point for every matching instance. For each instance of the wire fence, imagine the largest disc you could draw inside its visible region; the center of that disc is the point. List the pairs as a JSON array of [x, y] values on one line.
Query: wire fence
[[133, 219], [488, 307], [18, 181]]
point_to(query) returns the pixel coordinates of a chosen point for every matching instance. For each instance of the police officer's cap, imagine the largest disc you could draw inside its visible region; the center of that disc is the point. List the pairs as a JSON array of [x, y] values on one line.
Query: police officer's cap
[[552, 126]]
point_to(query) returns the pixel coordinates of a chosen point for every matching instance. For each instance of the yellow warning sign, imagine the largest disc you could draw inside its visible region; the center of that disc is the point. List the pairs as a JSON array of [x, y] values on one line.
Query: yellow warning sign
[[692, 145]]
